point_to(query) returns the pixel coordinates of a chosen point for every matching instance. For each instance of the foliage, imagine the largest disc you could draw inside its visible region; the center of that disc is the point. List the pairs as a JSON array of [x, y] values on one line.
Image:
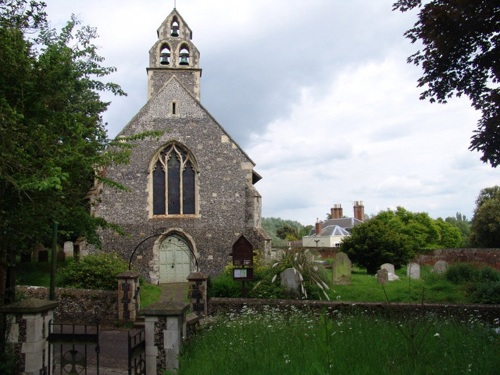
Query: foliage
[[95, 271], [278, 229], [463, 225], [53, 142], [485, 228], [460, 57], [314, 282], [275, 341], [481, 285], [395, 237]]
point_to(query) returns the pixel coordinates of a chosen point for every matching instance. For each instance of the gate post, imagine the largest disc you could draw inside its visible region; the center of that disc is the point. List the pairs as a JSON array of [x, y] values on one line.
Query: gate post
[[27, 330], [198, 293], [128, 296], [163, 324]]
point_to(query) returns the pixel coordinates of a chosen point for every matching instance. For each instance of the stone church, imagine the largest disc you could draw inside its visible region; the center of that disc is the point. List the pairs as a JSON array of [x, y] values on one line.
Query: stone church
[[191, 194]]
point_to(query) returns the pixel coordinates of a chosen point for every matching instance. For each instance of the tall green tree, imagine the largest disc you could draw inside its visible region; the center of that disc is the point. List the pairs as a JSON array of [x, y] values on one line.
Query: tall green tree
[[52, 136], [395, 236], [485, 228], [459, 56], [463, 225]]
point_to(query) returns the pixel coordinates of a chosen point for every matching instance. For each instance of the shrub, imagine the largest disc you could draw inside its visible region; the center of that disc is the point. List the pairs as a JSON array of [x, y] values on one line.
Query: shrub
[[484, 292], [462, 273], [488, 274], [96, 271]]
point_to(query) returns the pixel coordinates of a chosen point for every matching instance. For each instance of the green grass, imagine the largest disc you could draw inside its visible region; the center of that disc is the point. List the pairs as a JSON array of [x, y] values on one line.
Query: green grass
[[296, 342], [149, 294], [430, 288]]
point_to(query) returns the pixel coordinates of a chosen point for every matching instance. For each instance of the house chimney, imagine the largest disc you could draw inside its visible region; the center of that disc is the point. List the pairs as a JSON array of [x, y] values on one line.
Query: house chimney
[[359, 210], [336, 211], [318, 227]]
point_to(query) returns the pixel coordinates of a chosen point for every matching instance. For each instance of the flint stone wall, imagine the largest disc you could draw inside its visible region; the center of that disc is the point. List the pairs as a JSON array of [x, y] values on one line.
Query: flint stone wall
[[78, 305]]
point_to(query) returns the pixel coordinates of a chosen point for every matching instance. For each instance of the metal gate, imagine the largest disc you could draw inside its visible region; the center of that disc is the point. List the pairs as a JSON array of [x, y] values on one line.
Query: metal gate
[[73, 349], [137, 353]]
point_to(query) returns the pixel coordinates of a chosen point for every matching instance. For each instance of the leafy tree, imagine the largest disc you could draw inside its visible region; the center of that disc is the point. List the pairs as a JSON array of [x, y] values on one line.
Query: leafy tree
[[276, 226], [463, 225], [461, 45], [485, 228], [288, 233], [52, 137], [376, 242], [396, 236]]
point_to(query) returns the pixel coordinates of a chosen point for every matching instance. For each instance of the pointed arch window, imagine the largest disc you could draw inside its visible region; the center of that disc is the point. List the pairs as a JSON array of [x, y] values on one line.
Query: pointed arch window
[[174, 182]]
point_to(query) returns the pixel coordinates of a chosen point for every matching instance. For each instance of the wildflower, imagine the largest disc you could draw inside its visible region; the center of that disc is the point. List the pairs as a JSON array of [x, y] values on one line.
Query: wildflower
[[436, 335]]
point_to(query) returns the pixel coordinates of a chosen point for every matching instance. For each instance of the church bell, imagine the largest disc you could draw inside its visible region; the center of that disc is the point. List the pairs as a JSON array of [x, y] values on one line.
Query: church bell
[[184, 58], [164, 58]]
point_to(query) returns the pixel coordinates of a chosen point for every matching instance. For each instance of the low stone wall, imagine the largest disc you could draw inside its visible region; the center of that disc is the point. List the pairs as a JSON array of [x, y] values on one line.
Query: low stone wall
[[79, 305], [486, 313], [489, 257]]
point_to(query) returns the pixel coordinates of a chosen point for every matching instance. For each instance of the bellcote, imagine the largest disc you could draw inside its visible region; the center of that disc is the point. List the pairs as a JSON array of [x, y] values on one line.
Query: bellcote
[[174, 54]]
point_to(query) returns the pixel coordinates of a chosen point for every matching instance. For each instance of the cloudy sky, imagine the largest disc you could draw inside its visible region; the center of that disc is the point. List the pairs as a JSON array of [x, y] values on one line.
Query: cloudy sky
[[317, 92]]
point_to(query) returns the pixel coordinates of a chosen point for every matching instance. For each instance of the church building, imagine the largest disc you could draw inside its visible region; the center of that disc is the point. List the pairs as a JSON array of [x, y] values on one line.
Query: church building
[[191, 194]]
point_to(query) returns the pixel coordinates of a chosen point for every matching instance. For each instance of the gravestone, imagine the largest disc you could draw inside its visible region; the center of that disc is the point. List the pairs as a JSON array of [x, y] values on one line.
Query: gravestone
[[440, 267], [342, 269], [382, 276], [413, 271], [290, 281], [69, 249], [389, 267]]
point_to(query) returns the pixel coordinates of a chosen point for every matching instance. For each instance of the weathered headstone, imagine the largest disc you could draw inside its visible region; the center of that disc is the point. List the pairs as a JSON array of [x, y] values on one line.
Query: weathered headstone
[[290, 281], [440, 267], [413, 271], [342, 269], [382, 276], [389, 267], [69, 249]]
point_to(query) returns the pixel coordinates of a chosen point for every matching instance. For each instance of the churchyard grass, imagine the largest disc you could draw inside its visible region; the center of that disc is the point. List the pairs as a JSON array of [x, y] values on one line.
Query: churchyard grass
[[296, 342], [364, 288]]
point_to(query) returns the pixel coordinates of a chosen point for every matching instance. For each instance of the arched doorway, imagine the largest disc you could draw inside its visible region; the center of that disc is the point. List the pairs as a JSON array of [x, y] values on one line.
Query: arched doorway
[[175, 259]]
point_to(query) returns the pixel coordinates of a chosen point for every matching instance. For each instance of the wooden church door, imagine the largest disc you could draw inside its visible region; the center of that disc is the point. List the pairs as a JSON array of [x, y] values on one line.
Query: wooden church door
[[175, 260]]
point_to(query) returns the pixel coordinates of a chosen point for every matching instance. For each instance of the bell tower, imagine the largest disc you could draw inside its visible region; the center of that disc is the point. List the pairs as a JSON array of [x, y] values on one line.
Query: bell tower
[[174, 54]]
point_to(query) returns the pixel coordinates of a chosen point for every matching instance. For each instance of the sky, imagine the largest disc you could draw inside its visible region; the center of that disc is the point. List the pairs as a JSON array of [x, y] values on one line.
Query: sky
[[318, 93]]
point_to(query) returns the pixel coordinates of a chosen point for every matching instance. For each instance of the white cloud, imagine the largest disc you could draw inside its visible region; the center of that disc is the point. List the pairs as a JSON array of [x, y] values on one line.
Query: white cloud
[[317, 92]]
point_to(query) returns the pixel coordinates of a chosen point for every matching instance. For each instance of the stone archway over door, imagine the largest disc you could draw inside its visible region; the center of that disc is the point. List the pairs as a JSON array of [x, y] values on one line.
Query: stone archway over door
[[175, 260]]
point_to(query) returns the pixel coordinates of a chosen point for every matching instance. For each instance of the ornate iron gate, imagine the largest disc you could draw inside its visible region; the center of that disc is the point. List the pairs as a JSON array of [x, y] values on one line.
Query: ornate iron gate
[[69, 351], [137, 353]]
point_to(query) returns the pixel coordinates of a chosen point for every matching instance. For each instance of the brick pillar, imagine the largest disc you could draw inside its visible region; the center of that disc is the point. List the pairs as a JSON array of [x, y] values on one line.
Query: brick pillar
[[128, 296], [164, 324], [198, 293], [27, 330]]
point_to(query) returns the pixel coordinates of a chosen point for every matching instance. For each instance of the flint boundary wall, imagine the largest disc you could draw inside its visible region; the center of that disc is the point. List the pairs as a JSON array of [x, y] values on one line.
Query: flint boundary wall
[[78, 305]]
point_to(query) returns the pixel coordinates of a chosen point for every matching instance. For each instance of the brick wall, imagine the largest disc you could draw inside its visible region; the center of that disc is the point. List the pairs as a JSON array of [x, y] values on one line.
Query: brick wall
[[489, 257]]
